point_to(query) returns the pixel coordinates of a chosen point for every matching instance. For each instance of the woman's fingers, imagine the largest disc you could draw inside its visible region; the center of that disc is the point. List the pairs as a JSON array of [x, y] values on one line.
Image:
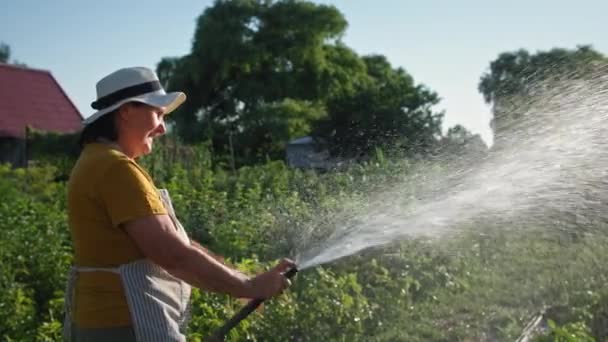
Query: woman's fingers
[[272, 282], [284, 265]]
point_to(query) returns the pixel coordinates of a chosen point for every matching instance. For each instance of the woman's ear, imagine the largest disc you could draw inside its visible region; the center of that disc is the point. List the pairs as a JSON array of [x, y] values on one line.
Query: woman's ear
[[122, 114]]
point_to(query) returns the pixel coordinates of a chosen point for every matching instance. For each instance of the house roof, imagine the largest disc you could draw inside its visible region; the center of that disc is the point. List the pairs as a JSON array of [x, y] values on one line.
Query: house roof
[[33, 97]]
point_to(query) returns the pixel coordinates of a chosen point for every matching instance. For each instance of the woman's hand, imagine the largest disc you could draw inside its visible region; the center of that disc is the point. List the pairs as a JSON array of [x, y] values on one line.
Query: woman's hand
[[157, 239], [271, 283]]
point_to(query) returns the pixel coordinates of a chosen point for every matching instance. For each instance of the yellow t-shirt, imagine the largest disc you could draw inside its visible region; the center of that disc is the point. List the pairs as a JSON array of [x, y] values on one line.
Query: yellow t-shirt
[[106, 189]]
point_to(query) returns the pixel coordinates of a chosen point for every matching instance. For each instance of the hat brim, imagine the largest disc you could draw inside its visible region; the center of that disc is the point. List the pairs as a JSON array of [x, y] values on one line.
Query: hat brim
[[168, 101]]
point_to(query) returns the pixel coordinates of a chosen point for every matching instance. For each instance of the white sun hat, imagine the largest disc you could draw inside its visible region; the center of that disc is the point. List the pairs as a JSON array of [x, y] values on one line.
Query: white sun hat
[[136, 84]]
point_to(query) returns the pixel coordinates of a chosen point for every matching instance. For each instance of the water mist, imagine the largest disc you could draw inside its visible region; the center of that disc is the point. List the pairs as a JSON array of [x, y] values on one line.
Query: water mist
[[550, 156]]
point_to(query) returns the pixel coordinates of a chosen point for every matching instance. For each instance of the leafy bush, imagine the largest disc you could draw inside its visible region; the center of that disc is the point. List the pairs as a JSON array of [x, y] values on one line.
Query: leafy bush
[[468, 287]]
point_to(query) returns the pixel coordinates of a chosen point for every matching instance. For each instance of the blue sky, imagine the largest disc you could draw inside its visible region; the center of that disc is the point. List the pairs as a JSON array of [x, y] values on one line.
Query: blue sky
[[446, 45]]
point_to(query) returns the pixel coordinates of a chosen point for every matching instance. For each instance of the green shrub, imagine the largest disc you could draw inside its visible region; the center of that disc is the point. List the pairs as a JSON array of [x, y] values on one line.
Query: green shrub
[[464, 287]]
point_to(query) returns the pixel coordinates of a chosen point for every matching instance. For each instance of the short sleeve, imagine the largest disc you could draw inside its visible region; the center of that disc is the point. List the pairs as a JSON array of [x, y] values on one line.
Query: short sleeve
[[128, 194]]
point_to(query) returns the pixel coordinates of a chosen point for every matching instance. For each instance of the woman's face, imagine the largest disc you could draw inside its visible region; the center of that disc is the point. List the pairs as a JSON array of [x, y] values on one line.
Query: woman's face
[[138, 125]]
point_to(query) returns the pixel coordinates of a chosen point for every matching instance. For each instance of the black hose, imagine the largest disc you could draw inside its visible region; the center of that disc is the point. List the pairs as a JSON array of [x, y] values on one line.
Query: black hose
[[222, 331]]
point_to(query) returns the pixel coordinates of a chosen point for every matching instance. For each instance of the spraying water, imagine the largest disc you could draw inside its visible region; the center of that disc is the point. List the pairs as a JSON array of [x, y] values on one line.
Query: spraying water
[[552, 157]]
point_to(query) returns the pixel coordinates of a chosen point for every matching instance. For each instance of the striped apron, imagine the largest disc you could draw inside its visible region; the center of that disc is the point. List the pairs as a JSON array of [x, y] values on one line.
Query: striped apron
[[158, 302]]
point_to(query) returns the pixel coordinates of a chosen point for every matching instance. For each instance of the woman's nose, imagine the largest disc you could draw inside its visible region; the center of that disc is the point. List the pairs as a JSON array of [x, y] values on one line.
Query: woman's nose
[[162, 129]]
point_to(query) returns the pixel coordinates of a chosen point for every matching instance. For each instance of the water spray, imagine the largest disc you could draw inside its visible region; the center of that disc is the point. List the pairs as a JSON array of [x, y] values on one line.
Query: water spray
[[221, 332]]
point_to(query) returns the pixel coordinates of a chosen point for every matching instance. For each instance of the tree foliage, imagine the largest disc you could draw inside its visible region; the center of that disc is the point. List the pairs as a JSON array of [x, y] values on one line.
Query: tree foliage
[[262, 72], [516, 80], [458, 142], [248, 60], [515, 72], [458, 289], [385, 108], [5, 53]]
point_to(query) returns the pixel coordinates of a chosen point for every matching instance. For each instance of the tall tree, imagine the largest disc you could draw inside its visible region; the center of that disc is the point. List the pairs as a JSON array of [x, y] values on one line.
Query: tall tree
[[262, 72], [513, 77], [386, 108], [515, 72], [458, 141], [249, 58]]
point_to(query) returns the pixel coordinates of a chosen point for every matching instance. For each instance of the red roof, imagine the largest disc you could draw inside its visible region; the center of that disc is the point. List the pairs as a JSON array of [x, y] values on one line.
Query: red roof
[[30, 97]]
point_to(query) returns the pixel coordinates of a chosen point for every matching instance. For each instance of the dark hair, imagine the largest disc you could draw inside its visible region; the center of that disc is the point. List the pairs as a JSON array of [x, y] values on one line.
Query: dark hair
[[102, 128]]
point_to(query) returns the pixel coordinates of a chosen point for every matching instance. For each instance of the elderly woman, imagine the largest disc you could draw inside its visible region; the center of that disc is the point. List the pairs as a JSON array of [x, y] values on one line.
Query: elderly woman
[[134, 263]]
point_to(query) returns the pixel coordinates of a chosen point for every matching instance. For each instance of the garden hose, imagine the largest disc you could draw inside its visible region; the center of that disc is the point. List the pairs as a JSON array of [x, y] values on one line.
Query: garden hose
[[222, 331]]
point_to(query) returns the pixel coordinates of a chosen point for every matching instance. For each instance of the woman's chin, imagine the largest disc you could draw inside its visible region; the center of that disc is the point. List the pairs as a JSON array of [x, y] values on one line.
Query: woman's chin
[[148, 149], [147, 146]]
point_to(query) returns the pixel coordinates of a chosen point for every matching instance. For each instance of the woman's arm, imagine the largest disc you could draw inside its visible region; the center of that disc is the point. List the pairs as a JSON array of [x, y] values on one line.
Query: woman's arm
[[156, 237]]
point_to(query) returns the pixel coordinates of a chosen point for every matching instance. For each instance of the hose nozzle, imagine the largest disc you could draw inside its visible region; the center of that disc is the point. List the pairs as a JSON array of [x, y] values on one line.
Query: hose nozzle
[[291, 272], [222, 331]]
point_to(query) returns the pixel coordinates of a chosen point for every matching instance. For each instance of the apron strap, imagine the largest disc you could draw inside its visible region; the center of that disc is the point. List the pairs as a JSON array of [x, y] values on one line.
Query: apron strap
[[97, 269]]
